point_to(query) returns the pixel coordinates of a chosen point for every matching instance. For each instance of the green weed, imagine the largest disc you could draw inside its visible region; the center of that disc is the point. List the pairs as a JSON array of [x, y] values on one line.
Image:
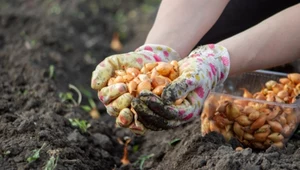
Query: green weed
[[68, 96], [174, 141], [141, 160], [83, 125], [51, 71], [35, 155], [51, 163]]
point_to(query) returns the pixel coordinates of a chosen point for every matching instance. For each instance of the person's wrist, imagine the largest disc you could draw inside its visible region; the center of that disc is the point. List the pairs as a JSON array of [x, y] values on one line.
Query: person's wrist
[[159, 52], [217, 57]]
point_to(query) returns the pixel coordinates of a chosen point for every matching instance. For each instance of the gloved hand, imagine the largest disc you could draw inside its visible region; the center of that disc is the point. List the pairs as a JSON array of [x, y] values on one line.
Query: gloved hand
[[116, 97], [200, 72]]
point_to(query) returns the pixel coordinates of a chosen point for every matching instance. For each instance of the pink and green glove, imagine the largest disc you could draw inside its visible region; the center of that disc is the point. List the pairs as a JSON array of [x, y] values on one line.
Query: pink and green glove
[[201, 71], [116, 97]]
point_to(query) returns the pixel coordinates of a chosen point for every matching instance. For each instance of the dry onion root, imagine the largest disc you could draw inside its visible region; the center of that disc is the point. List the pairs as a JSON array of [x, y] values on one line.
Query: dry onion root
[[255, 124], [153, 77]]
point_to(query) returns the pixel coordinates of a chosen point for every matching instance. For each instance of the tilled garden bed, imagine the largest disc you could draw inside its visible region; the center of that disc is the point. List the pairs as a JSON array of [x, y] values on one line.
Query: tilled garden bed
[[47, 45]]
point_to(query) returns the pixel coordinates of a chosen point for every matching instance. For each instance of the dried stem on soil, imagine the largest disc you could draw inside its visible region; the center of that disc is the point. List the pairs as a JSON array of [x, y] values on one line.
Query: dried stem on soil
[[125, 160]]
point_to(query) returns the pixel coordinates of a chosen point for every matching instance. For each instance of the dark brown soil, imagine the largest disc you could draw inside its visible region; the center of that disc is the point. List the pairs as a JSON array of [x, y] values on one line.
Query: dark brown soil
[[74, 36]]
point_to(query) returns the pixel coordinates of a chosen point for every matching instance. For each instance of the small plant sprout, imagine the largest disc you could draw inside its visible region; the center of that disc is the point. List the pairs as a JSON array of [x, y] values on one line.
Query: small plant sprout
[[135, 148], [174, 141], [91, 109], [71, 86], [35, 155], [25, 92], [83, 125], [88, 108], [141, 160], [52, 162], [33, 43], [51, 71], [68, 96]]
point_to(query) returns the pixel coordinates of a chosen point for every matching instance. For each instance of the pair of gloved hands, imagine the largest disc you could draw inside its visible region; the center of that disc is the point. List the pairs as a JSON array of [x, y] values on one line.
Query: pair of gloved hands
[[199, 72]]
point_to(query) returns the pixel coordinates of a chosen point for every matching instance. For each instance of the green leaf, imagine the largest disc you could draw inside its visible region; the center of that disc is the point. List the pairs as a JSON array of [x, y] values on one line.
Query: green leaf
[[83, 125], [71, 86], [73, 122], [51, 163], [25, 92], [51, 71], [69, 96], [142, 160], [135, 148], [36, 154], [86, 108], [33, 43], [92, 103], [174, 141]]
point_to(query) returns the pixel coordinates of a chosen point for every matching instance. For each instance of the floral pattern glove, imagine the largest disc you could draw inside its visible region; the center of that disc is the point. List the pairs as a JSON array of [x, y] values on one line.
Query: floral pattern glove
[[201, 71], [116, 97]]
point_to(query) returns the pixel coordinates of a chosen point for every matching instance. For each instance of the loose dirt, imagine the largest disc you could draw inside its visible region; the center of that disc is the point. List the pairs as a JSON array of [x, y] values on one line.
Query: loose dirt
[[74, 36]]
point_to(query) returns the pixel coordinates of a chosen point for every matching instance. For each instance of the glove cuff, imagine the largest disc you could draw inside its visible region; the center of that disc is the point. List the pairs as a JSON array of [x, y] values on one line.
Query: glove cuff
[[159, 52], [217, 57]]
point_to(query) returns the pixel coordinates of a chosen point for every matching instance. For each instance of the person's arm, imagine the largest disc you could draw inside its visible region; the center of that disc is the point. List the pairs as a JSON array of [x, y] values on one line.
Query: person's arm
[[180, 24], [273, 42]]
